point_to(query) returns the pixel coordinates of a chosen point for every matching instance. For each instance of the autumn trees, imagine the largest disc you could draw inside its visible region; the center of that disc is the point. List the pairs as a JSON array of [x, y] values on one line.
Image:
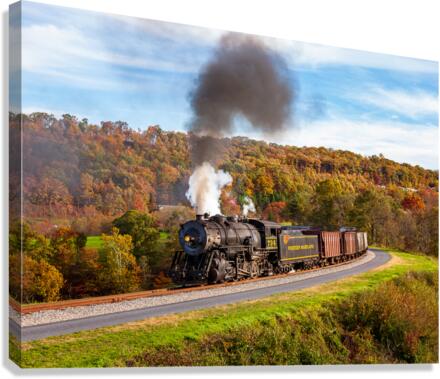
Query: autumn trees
[[143, 230], [330, 204], [58, 265], [31, 276], [392, 216], [40, 281], [119, 271], [75, 170]]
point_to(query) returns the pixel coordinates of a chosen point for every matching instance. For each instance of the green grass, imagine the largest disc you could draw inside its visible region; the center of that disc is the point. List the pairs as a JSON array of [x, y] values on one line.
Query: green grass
[[114, 346], [94, 242]]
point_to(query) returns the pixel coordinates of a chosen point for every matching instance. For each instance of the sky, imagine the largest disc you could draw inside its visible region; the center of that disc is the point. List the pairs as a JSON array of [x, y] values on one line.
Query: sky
[[107, 67]]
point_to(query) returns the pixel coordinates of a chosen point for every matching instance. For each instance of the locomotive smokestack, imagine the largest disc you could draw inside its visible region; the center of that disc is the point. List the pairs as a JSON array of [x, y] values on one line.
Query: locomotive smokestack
[[203, 216], [244, 78]]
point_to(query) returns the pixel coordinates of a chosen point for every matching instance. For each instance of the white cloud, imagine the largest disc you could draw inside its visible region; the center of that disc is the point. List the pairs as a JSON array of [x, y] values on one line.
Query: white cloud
[[51, 48], [178, 33], [314, 55], [401, 142], [409, 103], [295, 52], [414, 144], [71, 54], [298, 53]]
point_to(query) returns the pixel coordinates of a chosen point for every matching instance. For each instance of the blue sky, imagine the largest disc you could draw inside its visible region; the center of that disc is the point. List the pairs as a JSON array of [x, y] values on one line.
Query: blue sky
[[108, 67]]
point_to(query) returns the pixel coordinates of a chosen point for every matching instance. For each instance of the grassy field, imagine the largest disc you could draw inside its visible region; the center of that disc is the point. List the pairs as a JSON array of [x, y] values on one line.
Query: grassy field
[[95, 242], [224, 335]]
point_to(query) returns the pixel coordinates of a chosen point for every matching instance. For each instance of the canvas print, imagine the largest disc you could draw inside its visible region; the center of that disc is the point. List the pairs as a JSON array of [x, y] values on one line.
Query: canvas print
[[182, 196]]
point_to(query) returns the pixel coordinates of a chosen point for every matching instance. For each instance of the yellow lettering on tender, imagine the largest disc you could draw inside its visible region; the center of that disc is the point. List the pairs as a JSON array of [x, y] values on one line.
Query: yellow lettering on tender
[[300, 247]]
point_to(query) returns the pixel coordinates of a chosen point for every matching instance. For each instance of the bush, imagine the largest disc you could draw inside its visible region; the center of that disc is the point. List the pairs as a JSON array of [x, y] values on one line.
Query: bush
[[41, 281], [401, 316]]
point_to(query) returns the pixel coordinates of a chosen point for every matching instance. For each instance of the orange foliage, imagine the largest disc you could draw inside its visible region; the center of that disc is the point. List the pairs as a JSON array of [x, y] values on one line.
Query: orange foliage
[[41, 281], [161, 280], [274, 211], [229, 205], [413, 202], [73, 167]]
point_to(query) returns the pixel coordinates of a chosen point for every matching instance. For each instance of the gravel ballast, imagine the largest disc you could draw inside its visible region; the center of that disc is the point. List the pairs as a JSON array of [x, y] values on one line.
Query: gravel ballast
[[72, 313]]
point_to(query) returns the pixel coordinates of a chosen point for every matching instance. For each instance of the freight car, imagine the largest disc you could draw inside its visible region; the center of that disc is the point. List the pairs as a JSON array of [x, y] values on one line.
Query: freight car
[[218, 249]]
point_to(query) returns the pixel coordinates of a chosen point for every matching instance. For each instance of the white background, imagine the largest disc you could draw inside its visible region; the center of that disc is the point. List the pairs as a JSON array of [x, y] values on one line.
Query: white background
[[408, 28]]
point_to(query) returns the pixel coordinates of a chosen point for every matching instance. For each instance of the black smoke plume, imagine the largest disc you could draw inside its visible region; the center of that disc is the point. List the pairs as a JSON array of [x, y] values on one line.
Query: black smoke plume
[[244, 78]]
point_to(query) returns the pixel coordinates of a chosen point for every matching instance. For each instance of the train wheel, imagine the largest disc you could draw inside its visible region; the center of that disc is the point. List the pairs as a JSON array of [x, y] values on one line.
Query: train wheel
[[217, 271], [255, 271]]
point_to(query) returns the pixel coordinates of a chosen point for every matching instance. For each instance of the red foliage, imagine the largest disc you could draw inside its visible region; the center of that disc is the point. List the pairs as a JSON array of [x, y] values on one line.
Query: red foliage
[[229, 205], [274, 211], [413, 202]]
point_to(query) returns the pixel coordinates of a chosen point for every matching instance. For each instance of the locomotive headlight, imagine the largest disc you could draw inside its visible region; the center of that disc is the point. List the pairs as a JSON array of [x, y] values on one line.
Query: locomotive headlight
[[192, 237]]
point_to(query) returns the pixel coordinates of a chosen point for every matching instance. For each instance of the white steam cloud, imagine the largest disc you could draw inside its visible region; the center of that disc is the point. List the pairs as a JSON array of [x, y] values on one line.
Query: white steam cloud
[[205, 185], [248, 205]]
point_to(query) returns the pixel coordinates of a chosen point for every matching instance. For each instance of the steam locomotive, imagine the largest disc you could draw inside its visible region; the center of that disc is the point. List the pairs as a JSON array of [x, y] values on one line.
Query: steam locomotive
[[218, 249]]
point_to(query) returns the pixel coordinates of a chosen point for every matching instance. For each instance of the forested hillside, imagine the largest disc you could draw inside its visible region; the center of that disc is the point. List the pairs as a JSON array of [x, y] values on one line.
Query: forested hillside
[[78, 178], [72, 168]]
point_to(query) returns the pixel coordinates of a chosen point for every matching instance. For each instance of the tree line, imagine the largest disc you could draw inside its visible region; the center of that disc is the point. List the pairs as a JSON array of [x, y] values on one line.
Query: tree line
[[93, 173]]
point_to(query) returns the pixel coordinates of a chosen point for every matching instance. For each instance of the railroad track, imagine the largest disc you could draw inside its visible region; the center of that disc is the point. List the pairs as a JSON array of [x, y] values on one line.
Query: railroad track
[[32, 308]]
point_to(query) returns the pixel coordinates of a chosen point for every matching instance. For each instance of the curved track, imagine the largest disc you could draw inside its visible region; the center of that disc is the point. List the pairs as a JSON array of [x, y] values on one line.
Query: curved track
[[64, 327]]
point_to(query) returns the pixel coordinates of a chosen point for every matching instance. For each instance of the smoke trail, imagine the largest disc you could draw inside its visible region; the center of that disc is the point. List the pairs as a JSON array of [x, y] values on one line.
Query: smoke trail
[[244, 78], [248, 206], [205, 185]]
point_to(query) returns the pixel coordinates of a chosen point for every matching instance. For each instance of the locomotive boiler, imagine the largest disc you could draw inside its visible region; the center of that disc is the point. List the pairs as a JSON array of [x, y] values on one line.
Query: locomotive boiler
[[218, 248]]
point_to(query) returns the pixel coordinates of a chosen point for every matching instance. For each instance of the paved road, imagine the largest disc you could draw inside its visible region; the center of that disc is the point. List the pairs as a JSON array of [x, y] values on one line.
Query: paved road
[[64, 327]]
